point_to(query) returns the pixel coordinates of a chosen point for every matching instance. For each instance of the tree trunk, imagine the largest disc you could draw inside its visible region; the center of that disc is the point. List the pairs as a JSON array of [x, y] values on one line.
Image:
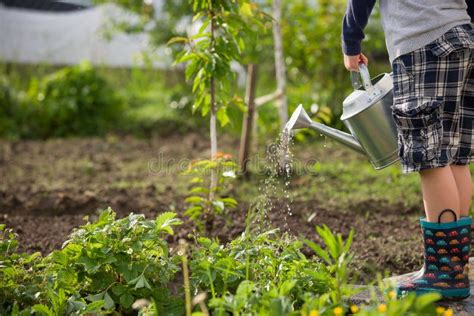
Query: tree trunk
[[209, 216], [248, 120], [280, 68], [213, 122]]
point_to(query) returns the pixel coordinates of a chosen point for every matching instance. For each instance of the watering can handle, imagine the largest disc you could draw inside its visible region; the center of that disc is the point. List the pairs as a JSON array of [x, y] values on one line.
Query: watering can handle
[[364, 74]]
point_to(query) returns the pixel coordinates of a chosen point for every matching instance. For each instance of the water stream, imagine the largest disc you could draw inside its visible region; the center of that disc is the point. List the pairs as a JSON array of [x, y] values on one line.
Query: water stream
[[274, 189]]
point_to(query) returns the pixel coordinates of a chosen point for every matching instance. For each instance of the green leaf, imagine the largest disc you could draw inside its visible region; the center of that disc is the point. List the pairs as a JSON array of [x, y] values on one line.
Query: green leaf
[[193, 199], [178, 39], [348, 243], [230, 202], [426, 300], [200, 35], [94, 307], [319, 251], [246, 9], [60, 257], [222, 116], [30, 258], [118, 289], [245, 288], [193, 211], [196, 180], [192, 69], [42, 310], [108, 301], [126, 300], [90, 265], [140, 282], [286, 287], [205, 242], [329, 240], [197, 190], [204, 25], [166, 220], [186, 57], [95, 297]]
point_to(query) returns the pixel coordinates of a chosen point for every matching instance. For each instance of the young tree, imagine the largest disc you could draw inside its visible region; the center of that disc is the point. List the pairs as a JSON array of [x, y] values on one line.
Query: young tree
[[226, 28], [221, 39]]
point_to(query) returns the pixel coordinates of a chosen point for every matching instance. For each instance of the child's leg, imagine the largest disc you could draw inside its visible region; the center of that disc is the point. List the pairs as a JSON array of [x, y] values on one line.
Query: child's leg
[[440, 192], [462, 175]]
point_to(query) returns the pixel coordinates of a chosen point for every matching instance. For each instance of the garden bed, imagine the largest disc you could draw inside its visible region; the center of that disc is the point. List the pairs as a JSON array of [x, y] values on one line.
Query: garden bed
[[48, 187]]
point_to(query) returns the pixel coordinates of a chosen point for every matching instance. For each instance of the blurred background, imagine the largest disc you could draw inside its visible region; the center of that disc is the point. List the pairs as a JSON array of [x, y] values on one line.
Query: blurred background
[[85, 68]]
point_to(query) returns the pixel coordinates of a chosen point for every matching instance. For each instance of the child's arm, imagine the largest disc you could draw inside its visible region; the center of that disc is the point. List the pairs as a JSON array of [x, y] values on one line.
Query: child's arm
[[353, 24], [470, 9]]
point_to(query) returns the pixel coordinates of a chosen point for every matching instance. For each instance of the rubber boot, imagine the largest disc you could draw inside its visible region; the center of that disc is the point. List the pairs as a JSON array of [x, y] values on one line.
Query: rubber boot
[[415, 274], [446, 257]]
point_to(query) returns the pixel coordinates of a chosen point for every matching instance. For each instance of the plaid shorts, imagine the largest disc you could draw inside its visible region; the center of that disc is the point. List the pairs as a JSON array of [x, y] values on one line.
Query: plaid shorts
[[434, 102]]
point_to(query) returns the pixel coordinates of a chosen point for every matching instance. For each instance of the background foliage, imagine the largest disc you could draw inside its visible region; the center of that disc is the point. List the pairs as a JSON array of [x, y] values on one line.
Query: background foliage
[[41, 101]]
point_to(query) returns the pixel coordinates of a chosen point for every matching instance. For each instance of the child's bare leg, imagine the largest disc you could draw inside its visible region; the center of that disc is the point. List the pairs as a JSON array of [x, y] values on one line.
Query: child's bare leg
[[439, 192], [462, 175]]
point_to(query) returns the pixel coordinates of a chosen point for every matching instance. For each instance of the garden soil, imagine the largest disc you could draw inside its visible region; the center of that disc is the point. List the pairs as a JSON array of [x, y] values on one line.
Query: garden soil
[[48, 187]]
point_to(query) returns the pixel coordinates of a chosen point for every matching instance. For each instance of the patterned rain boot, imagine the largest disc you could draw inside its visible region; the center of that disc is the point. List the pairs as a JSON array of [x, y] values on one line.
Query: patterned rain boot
[[445, 269]]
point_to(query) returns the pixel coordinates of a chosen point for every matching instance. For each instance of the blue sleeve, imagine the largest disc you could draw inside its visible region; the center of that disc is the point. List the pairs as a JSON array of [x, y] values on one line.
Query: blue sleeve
[[353, 24], [470, 9]]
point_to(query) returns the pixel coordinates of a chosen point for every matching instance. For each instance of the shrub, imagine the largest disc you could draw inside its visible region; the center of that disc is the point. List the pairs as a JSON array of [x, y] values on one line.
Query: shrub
[[9, 109], [72, 101]]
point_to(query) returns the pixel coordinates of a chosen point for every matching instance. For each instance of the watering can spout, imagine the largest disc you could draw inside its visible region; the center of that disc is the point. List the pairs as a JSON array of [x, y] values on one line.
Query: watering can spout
[[300, 119]]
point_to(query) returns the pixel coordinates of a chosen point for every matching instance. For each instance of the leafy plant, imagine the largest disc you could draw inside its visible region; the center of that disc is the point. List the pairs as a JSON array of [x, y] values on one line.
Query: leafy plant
[[205, 200], [119, 261], [225, 25], [25, 286], [105, 265], [337, 258], [18, 277], [111, 263], [256, 274], [208, 55]]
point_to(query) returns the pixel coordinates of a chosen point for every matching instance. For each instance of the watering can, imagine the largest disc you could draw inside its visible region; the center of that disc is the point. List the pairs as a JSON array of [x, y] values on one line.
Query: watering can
[[368, 116]]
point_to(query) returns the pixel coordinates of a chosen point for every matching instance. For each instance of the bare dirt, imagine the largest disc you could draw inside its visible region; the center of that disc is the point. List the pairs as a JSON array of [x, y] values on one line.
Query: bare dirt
[[47, 187]]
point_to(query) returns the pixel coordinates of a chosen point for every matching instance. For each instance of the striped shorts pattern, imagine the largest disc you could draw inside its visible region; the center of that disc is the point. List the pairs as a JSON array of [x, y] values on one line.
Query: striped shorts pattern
[[434, 102]]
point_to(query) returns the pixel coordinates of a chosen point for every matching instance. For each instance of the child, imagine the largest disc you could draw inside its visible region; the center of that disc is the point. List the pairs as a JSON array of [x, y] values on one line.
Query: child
[[431, 49]]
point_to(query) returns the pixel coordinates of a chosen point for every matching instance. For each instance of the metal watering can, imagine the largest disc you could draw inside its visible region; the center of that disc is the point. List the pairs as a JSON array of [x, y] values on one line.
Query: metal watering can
[[368, 116]]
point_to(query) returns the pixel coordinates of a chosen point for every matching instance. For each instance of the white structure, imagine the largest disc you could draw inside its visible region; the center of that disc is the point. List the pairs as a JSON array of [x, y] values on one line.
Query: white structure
[[65, 38]]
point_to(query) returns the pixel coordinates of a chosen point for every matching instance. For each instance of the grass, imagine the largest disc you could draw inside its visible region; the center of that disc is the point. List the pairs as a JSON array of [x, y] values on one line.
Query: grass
[[328, 171]]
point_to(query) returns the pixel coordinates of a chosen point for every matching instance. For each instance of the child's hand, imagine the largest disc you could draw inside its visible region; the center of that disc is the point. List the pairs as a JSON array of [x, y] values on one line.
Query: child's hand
[[352, 62]]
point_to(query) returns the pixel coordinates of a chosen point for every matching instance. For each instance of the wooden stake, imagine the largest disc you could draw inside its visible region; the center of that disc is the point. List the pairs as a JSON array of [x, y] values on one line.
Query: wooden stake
[[248, 120]]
